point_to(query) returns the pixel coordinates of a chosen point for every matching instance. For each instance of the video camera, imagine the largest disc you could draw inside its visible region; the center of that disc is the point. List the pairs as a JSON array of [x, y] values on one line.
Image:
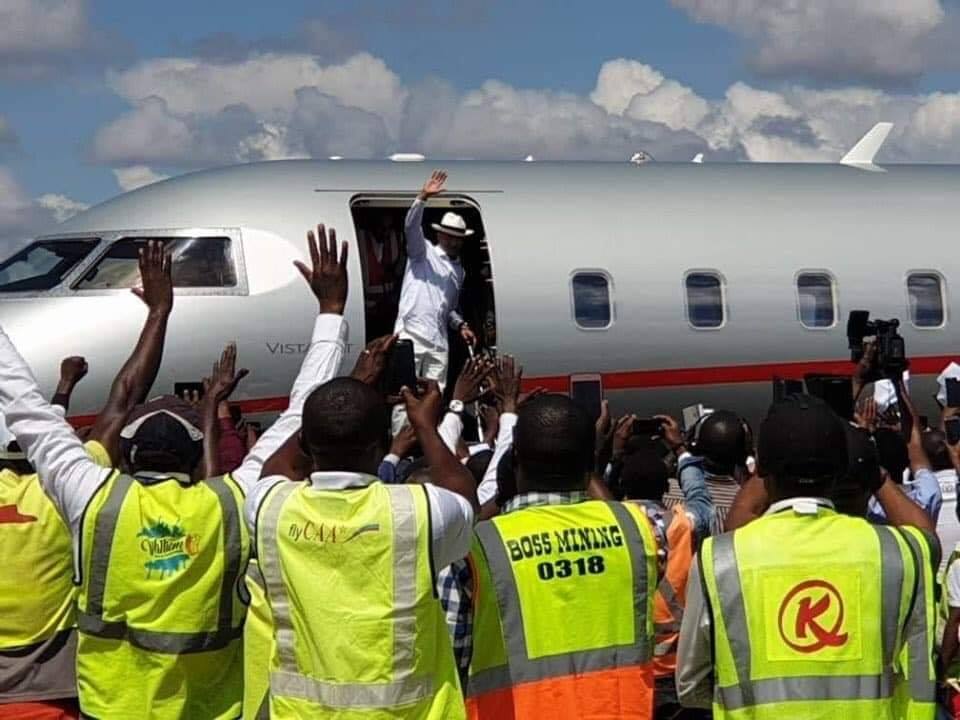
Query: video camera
[[891, 358]]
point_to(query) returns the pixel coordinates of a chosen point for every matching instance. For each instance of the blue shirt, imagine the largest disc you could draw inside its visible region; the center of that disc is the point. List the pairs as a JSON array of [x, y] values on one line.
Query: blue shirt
[[924, 490]]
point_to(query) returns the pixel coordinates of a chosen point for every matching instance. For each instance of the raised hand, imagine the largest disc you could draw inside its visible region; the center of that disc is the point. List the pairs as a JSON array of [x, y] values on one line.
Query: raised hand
[[72, 370], [467, 388], [672, 434], [433, 186], [327, 278], [156, 277], [423, 410], [373, 360], [224, 376], [509, 381], [468, 335]]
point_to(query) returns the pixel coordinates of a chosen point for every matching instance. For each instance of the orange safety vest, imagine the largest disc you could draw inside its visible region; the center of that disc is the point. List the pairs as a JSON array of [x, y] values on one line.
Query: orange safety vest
[[563, 614], [671, 596]]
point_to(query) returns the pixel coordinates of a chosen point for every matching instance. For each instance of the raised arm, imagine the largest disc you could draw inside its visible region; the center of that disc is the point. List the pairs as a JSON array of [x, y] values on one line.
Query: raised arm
[[217, 388], [136, 377], [67, 473], [327, 278], [416, 241], [445, 470], [72, 371]]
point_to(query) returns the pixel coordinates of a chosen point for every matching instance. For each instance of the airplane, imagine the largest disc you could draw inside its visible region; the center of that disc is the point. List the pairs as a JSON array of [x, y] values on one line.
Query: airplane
[[663, 285]]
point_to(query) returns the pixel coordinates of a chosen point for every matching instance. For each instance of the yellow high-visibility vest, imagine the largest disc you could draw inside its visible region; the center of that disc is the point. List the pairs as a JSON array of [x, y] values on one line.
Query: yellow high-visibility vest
[[810, 617], [160, 613], [358, 629], [564, 608], [257, 647]]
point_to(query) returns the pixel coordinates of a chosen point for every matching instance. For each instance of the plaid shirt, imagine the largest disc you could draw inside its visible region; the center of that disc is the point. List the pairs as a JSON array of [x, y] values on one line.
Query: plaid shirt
[[455, 583]]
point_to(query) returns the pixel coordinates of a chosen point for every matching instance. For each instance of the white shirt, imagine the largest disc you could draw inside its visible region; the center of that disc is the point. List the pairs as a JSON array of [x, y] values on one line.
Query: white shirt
[[68, 475], [431, 286], [451, 516], [487, 490]]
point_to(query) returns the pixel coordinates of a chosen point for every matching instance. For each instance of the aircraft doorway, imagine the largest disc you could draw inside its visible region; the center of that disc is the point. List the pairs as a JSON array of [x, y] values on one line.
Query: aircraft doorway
[[381, 242]]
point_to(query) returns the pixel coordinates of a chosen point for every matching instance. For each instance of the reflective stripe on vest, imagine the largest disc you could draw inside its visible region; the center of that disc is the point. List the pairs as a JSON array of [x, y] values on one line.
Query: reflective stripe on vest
[[288, 681], [812, 688], [520, 667], [667, 647], [91, 620], [919, 643]]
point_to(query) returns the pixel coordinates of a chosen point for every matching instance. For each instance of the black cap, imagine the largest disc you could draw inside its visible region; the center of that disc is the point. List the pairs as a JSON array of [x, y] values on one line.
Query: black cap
[[804, 439]]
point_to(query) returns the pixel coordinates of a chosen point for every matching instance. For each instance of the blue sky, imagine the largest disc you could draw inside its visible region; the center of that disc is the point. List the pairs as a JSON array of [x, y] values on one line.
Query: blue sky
[[97, 97]]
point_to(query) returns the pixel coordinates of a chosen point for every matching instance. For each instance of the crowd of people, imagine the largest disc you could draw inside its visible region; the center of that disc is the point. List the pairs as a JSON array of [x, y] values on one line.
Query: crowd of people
[[361, 558]]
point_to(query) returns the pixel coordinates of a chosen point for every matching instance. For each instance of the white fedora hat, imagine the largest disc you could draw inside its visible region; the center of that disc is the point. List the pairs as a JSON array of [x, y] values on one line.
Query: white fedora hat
[[452, 224]]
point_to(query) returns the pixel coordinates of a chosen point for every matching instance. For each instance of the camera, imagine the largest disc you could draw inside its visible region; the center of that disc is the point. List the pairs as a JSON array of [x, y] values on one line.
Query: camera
[[891, 358]]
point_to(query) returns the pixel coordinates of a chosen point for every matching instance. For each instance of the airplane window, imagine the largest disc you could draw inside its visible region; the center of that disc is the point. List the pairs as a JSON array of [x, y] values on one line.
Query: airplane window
[[197, 262], [591, 300], [816, 297], [704, 300], [43, 265], [925, 291]]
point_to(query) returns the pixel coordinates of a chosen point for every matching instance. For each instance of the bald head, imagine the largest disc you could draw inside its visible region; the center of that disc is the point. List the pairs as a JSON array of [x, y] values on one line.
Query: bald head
[[553, 445], [345, 426]]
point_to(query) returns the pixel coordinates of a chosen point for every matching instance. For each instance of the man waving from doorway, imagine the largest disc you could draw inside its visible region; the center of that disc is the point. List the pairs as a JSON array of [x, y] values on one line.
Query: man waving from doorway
[[431, 289]]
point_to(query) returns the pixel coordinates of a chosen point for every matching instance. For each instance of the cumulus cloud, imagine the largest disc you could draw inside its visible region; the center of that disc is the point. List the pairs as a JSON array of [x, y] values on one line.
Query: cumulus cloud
[[21, 216], [40, 37], [874, 41], [136, 176], [61, 206], [190, 113]]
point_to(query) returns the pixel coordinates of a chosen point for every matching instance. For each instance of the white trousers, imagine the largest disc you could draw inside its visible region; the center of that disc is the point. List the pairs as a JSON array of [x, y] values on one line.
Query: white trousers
[[430, 362]]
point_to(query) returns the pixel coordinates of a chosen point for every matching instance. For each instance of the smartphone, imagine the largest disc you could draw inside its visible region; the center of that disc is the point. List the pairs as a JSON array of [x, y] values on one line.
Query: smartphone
[[953, 430], [401, 369], [587, 391], [185, 390], [647, 427], [784, 388], [953, 392], [835, 390]]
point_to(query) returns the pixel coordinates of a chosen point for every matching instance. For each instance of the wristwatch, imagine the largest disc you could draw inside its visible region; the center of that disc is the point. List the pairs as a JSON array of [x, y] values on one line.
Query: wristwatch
[[456, 407]]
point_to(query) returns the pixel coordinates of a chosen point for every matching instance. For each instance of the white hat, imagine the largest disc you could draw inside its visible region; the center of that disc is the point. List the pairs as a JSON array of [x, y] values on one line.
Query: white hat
[[452, 224]]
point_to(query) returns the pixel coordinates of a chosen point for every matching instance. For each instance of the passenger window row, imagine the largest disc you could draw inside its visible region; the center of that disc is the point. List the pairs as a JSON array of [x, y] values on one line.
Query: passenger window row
[[706, 306]]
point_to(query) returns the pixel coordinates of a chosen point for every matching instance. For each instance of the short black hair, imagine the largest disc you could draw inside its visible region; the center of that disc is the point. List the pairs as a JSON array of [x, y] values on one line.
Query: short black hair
[[644, 475], [892, 449], [554, 441], [343, 415], [722, 441], [802, 447], [935, 445]]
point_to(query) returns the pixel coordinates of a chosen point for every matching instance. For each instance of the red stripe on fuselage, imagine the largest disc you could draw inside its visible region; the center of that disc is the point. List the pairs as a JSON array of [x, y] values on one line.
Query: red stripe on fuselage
[[646, 379]]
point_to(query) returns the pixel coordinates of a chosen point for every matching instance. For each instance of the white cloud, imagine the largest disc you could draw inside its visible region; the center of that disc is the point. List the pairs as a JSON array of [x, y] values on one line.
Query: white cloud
[[61, 206], [201, 113], [136, 176], [47, 38], [21, 216], [836, 40]]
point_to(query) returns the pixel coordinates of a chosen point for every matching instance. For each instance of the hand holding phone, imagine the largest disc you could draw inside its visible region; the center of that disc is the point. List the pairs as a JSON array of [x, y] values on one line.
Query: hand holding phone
[[952, 426], [401, 369], [647, 427]]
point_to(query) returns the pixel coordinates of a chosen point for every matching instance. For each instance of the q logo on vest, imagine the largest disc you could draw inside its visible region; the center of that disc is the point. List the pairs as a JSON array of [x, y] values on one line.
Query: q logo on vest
[[811, 617]]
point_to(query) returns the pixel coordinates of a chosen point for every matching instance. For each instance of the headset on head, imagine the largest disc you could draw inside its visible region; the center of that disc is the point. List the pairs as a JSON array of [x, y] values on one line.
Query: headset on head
[[743, 453]]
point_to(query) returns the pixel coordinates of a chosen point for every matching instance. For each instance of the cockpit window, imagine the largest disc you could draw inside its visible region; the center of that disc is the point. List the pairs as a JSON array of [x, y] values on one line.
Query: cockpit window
[[43, 265], [198, 262]]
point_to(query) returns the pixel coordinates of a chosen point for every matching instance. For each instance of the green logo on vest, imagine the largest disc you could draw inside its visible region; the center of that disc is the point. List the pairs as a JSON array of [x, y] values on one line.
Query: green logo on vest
[[168, 548]]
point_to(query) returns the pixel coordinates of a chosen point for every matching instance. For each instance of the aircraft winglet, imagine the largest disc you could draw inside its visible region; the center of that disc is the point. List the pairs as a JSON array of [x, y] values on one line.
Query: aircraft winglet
[[698, 159], [862, 154]]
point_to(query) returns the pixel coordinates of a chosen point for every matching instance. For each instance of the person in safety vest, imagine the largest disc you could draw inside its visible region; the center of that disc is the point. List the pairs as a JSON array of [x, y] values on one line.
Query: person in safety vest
[[37, 621], [950, 614], [349, 564], [643, 479], [279, 452], [563, 587], [806, 612], [158, 554]]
